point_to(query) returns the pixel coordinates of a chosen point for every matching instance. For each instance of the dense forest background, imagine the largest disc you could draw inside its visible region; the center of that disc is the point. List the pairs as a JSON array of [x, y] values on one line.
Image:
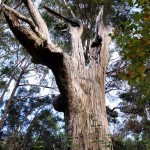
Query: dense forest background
[[28, 120]]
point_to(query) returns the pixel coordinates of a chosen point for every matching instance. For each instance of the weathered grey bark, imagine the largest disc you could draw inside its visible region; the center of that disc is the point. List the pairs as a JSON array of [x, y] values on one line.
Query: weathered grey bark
[[81, 86]]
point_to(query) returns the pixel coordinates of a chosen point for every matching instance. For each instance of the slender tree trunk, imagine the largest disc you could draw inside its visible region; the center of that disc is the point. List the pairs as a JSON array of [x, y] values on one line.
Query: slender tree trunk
[[82, 85]]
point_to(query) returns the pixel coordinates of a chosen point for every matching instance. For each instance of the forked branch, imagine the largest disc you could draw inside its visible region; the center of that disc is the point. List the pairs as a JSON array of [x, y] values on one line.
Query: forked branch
[[33, 41], [38, 20], [23, 18]]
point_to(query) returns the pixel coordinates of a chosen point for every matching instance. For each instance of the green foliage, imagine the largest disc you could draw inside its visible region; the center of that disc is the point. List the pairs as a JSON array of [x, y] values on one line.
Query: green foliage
[[133, 40], [135, 44], [130, 144], [119, 145], [2, 84], [43, 132], [32, 112]]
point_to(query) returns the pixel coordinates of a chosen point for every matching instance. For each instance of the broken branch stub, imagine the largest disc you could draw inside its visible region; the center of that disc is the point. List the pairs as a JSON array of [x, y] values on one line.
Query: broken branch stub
[[59, 16]]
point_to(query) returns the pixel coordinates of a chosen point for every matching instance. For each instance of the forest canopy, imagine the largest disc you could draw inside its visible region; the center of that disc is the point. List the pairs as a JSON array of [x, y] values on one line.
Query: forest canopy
[[28, 89]]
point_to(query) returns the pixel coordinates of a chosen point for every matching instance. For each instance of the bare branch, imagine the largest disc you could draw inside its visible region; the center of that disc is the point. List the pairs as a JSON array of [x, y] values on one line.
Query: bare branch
[[18, 4], [38, 20], [40, 86], [57, 15], [71, 12], [23, 18], [12, 17]]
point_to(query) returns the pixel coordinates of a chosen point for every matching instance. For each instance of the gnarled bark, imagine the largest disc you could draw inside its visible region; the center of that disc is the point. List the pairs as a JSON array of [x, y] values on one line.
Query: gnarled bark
[[81, 85]]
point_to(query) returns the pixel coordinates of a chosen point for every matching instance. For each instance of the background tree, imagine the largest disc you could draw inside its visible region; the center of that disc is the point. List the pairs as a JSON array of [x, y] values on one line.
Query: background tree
[[132, 40]]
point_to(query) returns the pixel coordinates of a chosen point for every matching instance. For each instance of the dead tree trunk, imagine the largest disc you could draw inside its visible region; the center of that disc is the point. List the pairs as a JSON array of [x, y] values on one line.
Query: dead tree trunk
[[81, 85]]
